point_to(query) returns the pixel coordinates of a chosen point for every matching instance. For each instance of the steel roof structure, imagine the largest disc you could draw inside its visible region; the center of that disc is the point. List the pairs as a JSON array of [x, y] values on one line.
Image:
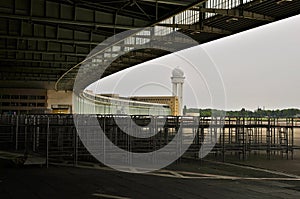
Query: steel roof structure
[[42, 40]]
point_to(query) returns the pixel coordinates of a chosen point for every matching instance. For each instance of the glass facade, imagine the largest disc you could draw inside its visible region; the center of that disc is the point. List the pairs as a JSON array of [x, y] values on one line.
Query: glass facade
[[95, 104]]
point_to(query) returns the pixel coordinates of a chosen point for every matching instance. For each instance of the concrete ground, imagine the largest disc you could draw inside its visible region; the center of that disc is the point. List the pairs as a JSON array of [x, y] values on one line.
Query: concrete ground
[[178, 181]]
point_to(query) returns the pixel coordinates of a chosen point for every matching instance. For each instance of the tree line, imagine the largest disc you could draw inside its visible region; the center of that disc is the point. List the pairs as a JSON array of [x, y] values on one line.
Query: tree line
[[291, 112]]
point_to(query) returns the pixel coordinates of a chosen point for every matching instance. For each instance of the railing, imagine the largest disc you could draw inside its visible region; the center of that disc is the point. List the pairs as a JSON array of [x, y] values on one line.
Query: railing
[[55, 137]]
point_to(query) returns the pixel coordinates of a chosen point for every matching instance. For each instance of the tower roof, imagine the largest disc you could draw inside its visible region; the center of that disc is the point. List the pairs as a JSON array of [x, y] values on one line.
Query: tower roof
[[177, 72]]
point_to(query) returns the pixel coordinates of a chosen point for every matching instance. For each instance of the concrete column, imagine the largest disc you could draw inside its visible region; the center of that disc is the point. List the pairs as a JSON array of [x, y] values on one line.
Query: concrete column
[[174, 89], [177, 83], [180, 94]]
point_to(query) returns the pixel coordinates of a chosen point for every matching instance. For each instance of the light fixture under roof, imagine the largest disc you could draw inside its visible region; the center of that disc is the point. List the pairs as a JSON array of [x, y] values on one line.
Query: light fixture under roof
[[283, 1], [232, 19]]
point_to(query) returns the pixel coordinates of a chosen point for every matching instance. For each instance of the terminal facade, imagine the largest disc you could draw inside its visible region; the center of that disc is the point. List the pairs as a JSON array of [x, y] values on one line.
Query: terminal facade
[[39, 101], [90, 102]]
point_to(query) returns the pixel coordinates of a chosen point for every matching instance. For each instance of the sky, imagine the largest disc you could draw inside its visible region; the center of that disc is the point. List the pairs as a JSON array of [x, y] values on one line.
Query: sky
[[256, 68]]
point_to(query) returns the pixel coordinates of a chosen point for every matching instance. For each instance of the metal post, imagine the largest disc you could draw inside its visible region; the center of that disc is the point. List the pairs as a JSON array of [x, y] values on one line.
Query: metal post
[[223, 145], [25, 136], [292, 140], [17, 132], [38, 133], [156, 10], [268, 139], [287, 141], [244, 140], [229, 132], [75, 147], [34, 134], [47, 142], [129, 140], [103, 137], [180, 130]]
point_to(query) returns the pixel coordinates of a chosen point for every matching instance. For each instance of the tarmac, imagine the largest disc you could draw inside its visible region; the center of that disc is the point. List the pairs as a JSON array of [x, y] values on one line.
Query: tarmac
[[183, 180]]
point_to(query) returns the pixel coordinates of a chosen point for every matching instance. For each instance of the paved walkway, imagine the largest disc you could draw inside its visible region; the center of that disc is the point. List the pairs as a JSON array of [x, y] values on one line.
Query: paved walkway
[[69, 182]]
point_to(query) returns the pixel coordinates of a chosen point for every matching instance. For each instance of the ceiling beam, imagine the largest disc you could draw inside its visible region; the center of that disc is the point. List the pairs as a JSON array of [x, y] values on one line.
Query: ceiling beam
[[22, 79], [18, 75], [64, 21], [44, 52], [38, 61], [33, 69], [86, 29], [69, 41], [177, 3], [196, 28], [184, 8], [237, 13], [111, 9], [243, 6], [254, 2]]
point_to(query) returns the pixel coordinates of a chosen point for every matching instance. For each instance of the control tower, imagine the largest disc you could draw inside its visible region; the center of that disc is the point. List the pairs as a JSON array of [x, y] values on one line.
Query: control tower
[[177, 85]]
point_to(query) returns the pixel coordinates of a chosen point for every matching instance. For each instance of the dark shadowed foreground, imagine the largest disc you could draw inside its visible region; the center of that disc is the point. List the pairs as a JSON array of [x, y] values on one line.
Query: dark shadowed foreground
[[181, 181]]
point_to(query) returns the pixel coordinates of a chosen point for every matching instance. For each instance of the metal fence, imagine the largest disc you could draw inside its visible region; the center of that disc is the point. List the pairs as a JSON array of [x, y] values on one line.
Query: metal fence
[[55, 138]]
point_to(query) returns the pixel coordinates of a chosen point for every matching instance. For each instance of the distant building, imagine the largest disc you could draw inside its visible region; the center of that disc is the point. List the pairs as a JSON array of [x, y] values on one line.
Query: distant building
[[175, 101], [90, 103], [171, 101], [22, 101], [34, 101], [177, 87], [112, 103]]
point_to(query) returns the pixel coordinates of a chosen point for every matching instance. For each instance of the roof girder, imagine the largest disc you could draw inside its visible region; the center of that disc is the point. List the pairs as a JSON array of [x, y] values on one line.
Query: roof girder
[[238, 13], [198, 28], [68, 22], [44, 52]]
